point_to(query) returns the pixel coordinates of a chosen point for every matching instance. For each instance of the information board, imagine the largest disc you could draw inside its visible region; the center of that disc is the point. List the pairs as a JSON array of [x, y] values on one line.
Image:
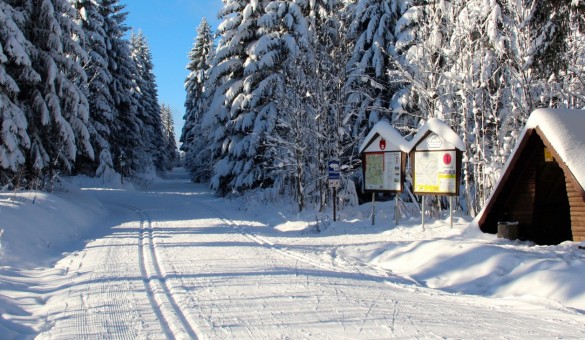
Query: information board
[[383, 171], [435, 172]]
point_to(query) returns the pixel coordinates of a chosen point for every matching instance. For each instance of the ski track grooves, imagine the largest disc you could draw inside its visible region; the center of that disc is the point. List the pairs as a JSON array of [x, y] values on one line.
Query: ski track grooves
[[266, 243], [172, 318]]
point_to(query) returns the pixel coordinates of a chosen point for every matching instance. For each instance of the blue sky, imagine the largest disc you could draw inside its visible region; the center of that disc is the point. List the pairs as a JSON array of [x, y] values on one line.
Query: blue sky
[[170, 27]]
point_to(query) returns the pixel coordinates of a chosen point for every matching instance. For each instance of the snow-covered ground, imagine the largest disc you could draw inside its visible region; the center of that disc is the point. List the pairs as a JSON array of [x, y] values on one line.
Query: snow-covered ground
[[173, 261]]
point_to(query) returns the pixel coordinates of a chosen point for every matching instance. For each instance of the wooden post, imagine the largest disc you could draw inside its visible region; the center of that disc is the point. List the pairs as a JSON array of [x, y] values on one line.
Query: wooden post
[[451, 210], [423, 213], [373, 208], [396, 210], [334, 204]]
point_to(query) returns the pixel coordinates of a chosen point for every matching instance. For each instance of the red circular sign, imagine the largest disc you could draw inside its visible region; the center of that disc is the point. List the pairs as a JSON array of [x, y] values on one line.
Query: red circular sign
[[447, 159], [382, 144]]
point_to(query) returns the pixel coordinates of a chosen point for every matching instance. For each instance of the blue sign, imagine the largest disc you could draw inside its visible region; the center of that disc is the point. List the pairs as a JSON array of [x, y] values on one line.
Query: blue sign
[[334, 169]]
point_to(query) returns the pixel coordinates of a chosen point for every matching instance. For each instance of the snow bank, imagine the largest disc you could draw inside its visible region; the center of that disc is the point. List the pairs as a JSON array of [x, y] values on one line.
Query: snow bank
[[495, 268], [461, 260], [39, 227]]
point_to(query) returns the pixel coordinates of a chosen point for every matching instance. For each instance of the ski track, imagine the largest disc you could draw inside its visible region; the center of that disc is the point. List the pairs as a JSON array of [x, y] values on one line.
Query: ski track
[[206, 275], [168, 311], [99, 300]]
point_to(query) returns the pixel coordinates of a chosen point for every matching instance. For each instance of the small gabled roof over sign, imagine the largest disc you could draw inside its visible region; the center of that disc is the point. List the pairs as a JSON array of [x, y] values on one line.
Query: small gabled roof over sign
[[383, 130], [444, 137]]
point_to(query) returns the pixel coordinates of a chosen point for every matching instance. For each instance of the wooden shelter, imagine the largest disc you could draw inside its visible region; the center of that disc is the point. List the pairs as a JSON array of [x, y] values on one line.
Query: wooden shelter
[[541, 187]]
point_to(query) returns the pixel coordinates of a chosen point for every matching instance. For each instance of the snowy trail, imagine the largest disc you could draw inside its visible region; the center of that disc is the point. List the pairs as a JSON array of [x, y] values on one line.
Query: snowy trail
[[182, 265], [172, 317]]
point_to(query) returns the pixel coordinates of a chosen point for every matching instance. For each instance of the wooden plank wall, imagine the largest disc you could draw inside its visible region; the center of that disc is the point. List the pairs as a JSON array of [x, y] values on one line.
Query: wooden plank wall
[[577, 206], [520, 204]]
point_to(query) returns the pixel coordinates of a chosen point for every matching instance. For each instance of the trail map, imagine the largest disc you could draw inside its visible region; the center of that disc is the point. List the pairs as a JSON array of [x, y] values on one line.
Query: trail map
[[435, 172], [383, 171]]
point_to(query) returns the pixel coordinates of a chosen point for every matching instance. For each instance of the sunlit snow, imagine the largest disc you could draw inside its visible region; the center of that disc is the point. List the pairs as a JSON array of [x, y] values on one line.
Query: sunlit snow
[[172, 260]]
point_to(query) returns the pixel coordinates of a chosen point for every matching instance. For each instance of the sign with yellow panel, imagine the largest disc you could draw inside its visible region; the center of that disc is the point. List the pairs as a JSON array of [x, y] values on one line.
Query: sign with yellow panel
[[435, 172]]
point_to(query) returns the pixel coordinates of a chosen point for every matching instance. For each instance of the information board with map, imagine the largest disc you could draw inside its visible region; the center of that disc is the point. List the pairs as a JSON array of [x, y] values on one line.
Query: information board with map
[[435, 172], [383, 171]]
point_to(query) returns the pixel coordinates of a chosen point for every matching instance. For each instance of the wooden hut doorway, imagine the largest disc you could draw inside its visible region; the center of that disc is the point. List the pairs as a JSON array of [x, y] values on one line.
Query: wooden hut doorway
[[542, 187], [551, 221], [534, 195]]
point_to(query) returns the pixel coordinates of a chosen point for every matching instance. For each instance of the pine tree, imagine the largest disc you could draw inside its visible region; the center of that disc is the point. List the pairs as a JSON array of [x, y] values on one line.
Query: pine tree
[[371, 82], [477, 48], [573, 81], [242, 156], [331, 54], [147, 99], [56, 106], [195, 137], [101, 103], [285, 48], [15, 64], [169, 152], [127, 137]]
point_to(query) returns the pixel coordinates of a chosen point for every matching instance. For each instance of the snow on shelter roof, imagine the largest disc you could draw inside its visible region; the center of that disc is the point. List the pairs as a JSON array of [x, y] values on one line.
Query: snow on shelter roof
[[384, 129], [440, 128], [565, 130]]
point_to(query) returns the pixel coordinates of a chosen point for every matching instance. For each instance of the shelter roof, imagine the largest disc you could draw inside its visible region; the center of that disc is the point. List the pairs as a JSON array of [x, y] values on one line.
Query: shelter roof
[[565, 130]]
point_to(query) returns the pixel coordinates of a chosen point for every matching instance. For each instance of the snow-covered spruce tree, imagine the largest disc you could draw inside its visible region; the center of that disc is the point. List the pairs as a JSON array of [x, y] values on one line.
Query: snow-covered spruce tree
[[127, 138], [15, 64], [421, 32], [239, 121], [195, 137], [525, 32], [405, 111], [371, 82], [284, 45], [102, 107], [453, 55], [147, 98], [169, 150], [57, 110]]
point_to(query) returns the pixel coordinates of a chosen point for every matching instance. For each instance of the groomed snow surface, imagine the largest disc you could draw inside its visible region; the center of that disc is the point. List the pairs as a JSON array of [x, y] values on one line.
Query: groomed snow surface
[[174, 261]]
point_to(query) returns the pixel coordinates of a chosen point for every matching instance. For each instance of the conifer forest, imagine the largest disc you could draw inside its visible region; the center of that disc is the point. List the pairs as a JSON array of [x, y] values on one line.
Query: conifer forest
[[279, 88], [77, 95]]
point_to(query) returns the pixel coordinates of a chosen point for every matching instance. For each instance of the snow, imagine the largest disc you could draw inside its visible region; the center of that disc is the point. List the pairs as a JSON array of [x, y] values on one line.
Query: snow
[[386, 131], [564, 130], [440, 128], [172, 260]]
